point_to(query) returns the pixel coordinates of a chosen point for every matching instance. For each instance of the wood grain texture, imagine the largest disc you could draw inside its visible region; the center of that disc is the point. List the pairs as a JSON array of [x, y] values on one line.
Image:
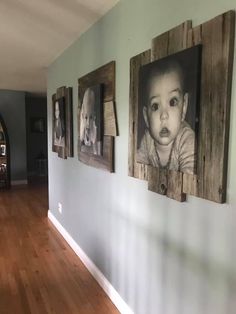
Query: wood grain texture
[[217, 39], [166, 44], [110, 125], [170, 42], [106, 161], [190, 184], [104, 75], [135, 169], [175, 186], [39, 272], [69, 122], [157, 180]]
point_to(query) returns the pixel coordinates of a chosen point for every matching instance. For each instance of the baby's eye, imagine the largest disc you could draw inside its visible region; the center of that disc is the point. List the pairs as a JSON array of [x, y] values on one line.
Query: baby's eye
[[173, 102], [154, 106]]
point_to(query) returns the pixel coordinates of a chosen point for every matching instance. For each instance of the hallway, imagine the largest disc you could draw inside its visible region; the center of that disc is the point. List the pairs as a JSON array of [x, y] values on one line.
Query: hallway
[[39, 272]]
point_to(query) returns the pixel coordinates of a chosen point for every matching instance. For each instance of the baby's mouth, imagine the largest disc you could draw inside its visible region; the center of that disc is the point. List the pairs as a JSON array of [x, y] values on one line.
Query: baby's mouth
[[87, 138], [164, 132]]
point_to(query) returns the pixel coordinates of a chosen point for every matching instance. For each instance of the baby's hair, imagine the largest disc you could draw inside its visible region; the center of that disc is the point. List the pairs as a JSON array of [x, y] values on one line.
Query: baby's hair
[[166, 66], [90, 97]]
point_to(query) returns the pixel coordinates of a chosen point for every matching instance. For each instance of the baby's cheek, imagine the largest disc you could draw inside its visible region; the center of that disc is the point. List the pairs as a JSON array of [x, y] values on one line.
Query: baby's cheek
[[155, 130], [154, 117]]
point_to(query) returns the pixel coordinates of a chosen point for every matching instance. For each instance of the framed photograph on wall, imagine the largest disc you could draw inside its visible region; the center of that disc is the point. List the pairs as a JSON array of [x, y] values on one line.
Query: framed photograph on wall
[[2, 150], [91, 120], [59, 122], [62, 122], [168, 111], [37, 125]]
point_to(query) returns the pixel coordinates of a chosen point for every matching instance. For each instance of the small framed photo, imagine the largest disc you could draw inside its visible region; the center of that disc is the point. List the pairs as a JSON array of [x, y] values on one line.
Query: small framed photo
[[96, 117], [59, 122], [37, 125], [91, 124], [62, 122], [3, 150]]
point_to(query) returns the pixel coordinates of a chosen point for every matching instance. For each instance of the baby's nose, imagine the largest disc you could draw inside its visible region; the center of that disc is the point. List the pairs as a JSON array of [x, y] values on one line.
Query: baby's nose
[[87, 123], [164, 115]]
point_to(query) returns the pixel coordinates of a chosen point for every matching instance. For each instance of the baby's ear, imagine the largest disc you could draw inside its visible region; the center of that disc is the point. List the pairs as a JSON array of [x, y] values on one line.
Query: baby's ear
[[145, 116], [185, 106]]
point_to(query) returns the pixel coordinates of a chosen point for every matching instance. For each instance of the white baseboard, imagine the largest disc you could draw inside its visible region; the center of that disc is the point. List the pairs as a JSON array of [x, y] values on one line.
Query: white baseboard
[[92, 268], [19, 182]]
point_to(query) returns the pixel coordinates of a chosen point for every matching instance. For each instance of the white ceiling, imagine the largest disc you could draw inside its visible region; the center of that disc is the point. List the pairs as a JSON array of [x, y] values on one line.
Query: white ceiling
[[34, 32]]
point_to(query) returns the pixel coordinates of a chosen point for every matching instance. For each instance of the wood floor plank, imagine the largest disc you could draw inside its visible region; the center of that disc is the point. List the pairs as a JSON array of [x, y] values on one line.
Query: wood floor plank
[[39, 272]]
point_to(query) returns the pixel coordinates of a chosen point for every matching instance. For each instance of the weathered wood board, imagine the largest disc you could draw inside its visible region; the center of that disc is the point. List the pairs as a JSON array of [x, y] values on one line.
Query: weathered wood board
[[104, 75], [135, 169], [170, 42], [175, 186], [105, 161], [217, 39], [69, 123], [157, 180], [110, 126]]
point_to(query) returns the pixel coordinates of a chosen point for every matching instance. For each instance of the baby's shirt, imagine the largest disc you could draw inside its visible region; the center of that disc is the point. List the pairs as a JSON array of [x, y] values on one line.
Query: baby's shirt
[[182, 156]]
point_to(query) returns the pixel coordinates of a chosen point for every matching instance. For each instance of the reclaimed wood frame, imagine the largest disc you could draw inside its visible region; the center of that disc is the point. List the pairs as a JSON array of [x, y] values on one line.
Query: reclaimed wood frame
[[104, 75], [68, 150], [217, 39]]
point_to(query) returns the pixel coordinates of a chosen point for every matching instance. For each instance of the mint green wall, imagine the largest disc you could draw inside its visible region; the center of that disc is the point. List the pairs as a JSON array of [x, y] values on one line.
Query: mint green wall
[[162, 257]]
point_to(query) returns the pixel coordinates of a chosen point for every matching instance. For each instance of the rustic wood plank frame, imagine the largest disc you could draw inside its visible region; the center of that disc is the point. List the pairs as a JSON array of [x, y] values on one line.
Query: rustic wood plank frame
[[104, 75], [136, 170], [67, 150], [217, 39]]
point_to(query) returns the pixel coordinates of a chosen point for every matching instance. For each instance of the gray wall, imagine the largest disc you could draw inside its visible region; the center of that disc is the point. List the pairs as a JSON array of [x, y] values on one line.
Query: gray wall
[[36, 107], [163, 257], [12, 109]]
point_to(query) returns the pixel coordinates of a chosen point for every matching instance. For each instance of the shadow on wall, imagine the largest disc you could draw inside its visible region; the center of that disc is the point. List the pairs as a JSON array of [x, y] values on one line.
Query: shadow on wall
[[188, 261]]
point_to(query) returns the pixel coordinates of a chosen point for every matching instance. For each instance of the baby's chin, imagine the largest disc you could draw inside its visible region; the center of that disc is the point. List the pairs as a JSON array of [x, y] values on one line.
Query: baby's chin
[[87, 140], [164, 141]]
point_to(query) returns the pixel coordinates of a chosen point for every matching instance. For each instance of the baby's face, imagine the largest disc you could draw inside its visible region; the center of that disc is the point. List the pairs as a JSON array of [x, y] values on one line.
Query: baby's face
[[57, 111], [88, 116], [166, 107]]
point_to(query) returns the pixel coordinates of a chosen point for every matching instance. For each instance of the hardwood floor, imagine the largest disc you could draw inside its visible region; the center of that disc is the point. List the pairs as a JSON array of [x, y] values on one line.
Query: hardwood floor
[[39, 273]]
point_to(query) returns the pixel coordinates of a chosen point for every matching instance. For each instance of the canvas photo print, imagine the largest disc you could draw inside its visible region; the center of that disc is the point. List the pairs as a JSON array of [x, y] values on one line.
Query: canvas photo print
[[59, 129], [91, 122], [37, 125], [168, 111]]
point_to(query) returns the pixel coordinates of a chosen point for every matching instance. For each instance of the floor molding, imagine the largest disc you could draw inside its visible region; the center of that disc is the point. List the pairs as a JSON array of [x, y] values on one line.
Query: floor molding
[[92, 268]]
